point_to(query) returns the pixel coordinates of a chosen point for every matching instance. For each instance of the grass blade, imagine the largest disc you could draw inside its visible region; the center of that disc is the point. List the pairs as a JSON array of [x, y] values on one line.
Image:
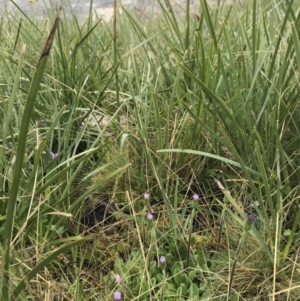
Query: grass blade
[[33, 91]]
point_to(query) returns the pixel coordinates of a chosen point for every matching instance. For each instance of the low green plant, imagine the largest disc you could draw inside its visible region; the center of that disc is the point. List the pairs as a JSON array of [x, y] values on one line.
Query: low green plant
[[157, 269]]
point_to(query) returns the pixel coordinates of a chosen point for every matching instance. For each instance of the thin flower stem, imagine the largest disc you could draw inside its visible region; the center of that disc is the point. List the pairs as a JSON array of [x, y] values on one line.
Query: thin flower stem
[[189, 240], [242, 239]]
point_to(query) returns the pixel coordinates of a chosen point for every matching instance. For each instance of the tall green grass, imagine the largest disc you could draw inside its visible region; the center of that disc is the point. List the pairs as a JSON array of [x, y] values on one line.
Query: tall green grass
[[198, 110]]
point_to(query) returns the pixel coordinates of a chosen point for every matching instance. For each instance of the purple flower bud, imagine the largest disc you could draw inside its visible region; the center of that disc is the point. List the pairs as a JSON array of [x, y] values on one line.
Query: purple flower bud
[[118, 278], [251, 218], [117, 296], [149, 216], [196, 197], [53, 155], [162, 259], [146, 196]]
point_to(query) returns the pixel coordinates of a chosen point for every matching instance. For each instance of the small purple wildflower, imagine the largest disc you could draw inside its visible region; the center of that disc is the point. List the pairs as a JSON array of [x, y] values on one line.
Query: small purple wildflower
[[149, 216], [117, 296], [162, 259], [146, 196], [118, 278], [196, 197], [251, 218], [53, 155]]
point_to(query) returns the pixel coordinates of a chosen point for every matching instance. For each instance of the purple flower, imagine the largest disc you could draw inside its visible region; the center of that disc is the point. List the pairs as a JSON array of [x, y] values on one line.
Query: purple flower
[[146, 196], [196, 197], [162, 259], [53, 155], [251, 218], [117, 296], [118, 278], [149, 216]]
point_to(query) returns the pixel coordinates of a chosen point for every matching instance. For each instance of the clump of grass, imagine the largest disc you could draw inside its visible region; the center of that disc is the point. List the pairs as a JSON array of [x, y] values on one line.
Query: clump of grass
[[168, 130]]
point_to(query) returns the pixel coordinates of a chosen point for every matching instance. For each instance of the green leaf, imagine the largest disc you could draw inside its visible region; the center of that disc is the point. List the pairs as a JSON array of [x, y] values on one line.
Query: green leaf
[[26, 118], [194, 291]]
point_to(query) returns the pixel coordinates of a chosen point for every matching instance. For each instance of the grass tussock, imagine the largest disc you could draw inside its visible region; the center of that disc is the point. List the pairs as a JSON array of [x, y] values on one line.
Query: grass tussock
[[154, 160]]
